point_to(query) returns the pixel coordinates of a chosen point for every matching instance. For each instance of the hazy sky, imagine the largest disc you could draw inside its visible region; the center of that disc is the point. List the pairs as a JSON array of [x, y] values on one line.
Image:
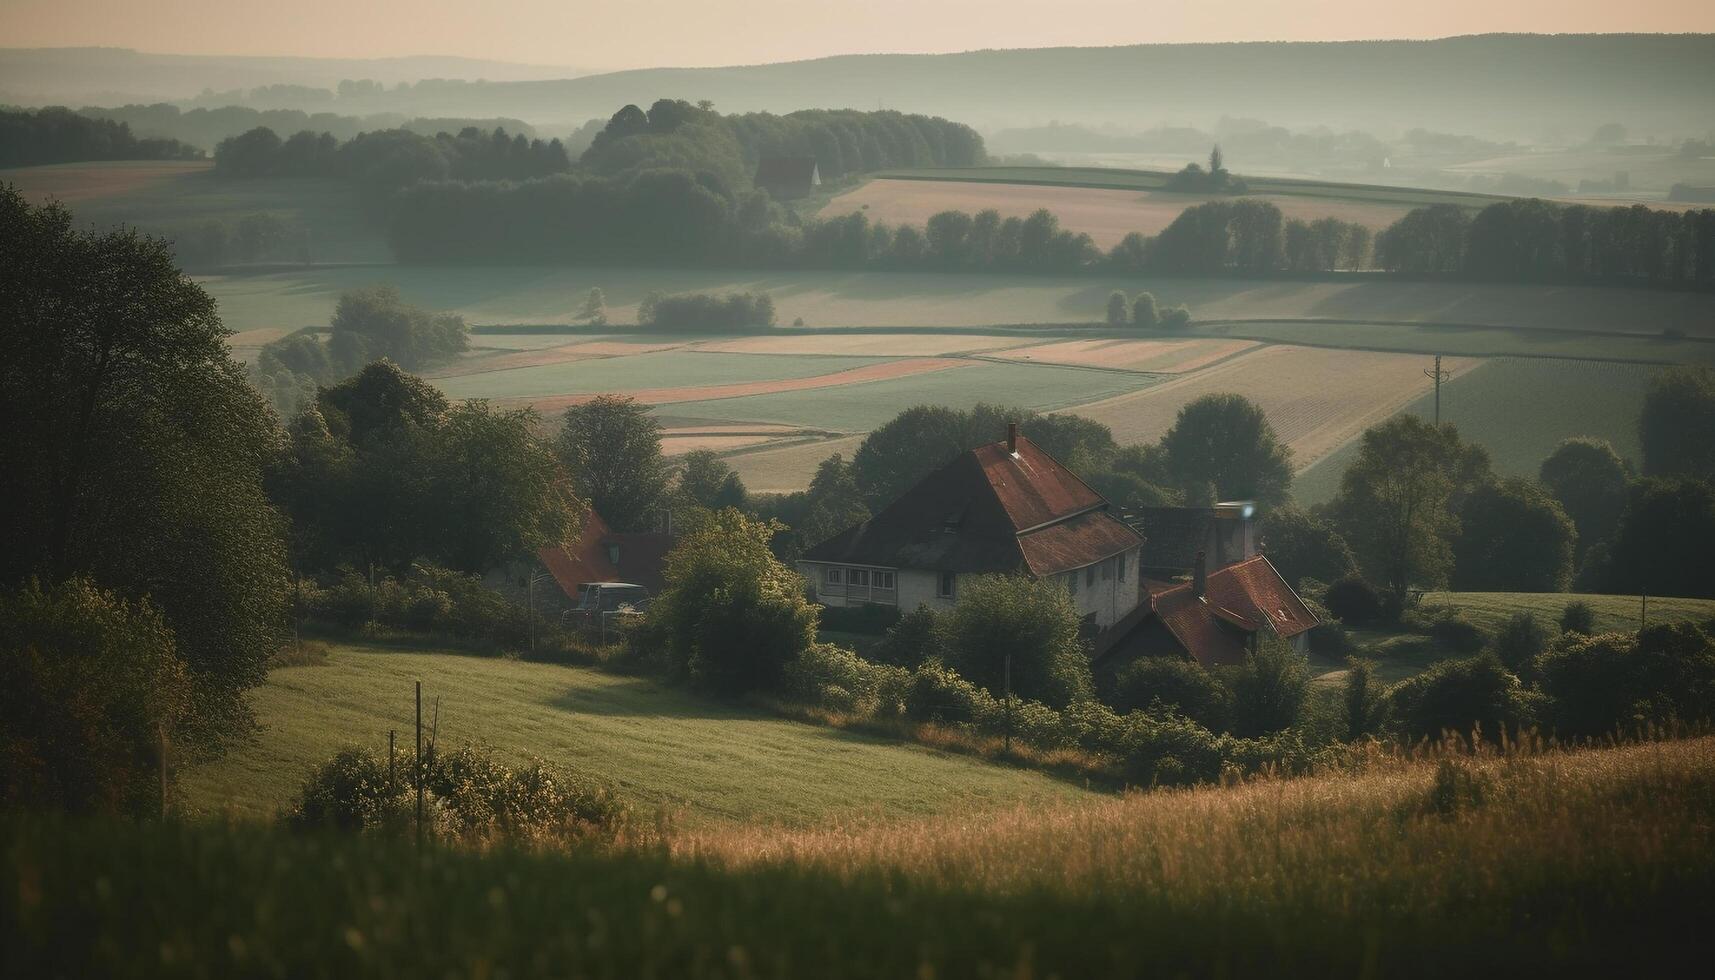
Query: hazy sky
[[612, 33]]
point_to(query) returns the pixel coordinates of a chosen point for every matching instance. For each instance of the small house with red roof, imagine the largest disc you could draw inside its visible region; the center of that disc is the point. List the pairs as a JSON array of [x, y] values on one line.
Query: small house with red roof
[[1215, 618], [599, 555], [1006, 507]]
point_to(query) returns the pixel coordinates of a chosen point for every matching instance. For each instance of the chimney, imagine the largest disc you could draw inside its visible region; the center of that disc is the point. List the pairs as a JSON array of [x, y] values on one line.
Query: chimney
[[1200, 576], [1012, 438]]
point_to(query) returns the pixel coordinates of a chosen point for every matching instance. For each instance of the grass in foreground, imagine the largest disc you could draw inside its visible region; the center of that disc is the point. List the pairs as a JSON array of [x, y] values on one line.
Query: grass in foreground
[[1598, 862], [661, 747]]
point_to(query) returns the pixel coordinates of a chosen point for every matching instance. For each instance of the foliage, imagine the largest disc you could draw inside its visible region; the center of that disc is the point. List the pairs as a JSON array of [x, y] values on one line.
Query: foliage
[[1589, 479], [1267, 689], [1619, 683], [836, 679], [1513, 537], [427, 600], [1144, 311], [135, 449], [1520, 641], [90, 684], [55, 134], [1677, 427], [1173, 683], [1665, 538], [703, 312], [1461, 696], [1398, 501], [705, 480], [914, 639], [1302, 545], [1117, 312], [1363, 700], [611, 447], [1354, 601], [1226, 440], [1579, 617], [731, 614], [1034, 622], [352, 792], [1451, 631], [938, 693]]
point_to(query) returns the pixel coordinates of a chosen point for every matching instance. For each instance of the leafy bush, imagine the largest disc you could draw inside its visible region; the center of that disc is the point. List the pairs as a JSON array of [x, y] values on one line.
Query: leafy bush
[[430, 600], [88, 681], [1033, 621], [1363, 699], [1174, 683], [702, 311], [1459, 695], [1354, 601], [351, 792], [836, 679], [1267, 689], [914, 638], [1619, 682], [1520, 641], [480, 796], [938, 693], [1578, 617], [1451, 631]]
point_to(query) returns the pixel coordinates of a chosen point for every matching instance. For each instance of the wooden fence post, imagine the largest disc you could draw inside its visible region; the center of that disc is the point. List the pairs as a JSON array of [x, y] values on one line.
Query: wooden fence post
[[417, 773]]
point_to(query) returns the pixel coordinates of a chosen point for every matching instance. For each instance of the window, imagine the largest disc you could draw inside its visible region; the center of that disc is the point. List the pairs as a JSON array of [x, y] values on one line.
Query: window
[[944, 588], [1072, 583], [858, 576], [1090, 575], [884, 580], [831, 576], [613, 555], [1107, 570], [1122, 566]]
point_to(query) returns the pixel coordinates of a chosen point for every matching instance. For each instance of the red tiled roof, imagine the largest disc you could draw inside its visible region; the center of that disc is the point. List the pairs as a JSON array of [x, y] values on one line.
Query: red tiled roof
[[988, 510], [642, 557], [1238, 600]]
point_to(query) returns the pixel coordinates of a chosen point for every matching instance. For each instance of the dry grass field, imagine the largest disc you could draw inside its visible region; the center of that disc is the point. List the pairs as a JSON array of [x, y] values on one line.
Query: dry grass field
[[480, 361], [1317, 400], [870, 344], [1155, 356], [1105, 215], [788, 468], [77, 183]]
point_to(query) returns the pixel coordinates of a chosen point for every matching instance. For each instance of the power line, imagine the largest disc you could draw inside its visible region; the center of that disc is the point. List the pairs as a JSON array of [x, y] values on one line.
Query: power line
[[1439, 376]]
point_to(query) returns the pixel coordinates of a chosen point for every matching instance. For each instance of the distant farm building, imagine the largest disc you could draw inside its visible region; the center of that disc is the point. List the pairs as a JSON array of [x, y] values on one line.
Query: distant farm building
[[598, 556], [786, 177]]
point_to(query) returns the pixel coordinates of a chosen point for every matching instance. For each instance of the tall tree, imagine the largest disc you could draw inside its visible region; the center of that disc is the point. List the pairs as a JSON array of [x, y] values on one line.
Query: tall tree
[[612, 447], [1665, 538], [1226, 440], [1589, 479], [1302, 545], [496, 493], [1677, 427], [705, 480], [135, 448], [1033, 622], [1398, 501], [1513, 537]]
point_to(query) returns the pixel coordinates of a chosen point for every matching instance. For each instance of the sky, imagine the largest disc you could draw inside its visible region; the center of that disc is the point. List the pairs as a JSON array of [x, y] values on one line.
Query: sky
[[609, 34]]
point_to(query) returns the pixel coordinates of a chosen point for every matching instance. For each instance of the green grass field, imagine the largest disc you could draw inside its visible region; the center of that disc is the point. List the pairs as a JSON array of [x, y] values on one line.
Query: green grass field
[[664, 369], [1519, 409], [861, 407], [1594, 863], [662, 747], [1613, 612], [1471, 341]]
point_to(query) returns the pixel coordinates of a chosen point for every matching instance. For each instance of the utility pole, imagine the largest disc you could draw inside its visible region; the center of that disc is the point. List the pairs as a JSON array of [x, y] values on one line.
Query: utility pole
[[418, 768], [1439, 376], [1009, 704], [533, 579], [1643, 612]]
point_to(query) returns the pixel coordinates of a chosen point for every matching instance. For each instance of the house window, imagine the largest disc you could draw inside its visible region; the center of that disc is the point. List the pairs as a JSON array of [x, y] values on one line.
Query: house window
[[1122, 566], [613, 555], [858, 576], [1090, 575], [1072, 583], [944, 588], [831, 576], [884, 580], [1107, 570]]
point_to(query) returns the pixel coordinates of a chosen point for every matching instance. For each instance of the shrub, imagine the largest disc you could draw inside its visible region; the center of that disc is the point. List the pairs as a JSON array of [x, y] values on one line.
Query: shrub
[[703, 311], [1453, 632], [1459, 695], [1035, 623], [480, 796], [1618, 682], [1354, 601], [1578, 617], [1144, 312], [1267, 689], [351, 792], [1174, 683], [1117, 312], [913, 639], [88, 681], [1520, 641], [937, 693], [836, 679], [1363, 699], [869, 617], [1177, 318]]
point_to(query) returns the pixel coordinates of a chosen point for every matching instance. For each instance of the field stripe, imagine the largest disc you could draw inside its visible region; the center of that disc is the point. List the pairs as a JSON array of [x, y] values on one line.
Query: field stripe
[[667, 396]]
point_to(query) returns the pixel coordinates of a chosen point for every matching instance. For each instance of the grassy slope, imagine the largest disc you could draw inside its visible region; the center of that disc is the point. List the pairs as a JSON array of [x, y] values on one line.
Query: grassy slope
[[661, 746], [1519, 409], [1597, 863], [1613, 612]]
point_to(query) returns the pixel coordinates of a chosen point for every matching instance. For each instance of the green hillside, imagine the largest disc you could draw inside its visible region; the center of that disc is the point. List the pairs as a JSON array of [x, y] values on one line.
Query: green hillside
[[661, 747]]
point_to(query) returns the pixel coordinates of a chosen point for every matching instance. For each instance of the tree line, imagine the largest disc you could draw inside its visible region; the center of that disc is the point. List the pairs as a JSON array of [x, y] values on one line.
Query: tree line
[[388, 159], [59, 135]]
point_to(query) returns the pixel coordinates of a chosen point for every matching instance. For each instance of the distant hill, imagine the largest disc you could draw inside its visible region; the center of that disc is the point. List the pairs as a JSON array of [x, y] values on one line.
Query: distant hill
[[117, 76]]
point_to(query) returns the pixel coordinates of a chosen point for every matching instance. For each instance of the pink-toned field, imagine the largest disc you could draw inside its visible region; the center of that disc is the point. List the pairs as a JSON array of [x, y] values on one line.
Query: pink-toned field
[[667, 396], [869, 345], [1105, 215], [74, 183], [1317, 400], [1158, 356]]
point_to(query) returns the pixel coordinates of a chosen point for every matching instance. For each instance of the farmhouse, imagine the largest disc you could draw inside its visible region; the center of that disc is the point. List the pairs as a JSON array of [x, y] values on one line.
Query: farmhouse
[[1004, 507], [599, 555], [788, 176], [1215, 618]]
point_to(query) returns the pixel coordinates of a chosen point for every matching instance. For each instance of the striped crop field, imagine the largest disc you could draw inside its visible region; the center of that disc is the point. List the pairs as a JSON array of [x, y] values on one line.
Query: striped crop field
[[1317, 400], [1154, 356]]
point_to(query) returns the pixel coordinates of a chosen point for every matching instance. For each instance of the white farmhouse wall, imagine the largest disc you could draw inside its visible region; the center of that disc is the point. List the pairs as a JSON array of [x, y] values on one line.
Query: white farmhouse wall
[[917, 588]]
